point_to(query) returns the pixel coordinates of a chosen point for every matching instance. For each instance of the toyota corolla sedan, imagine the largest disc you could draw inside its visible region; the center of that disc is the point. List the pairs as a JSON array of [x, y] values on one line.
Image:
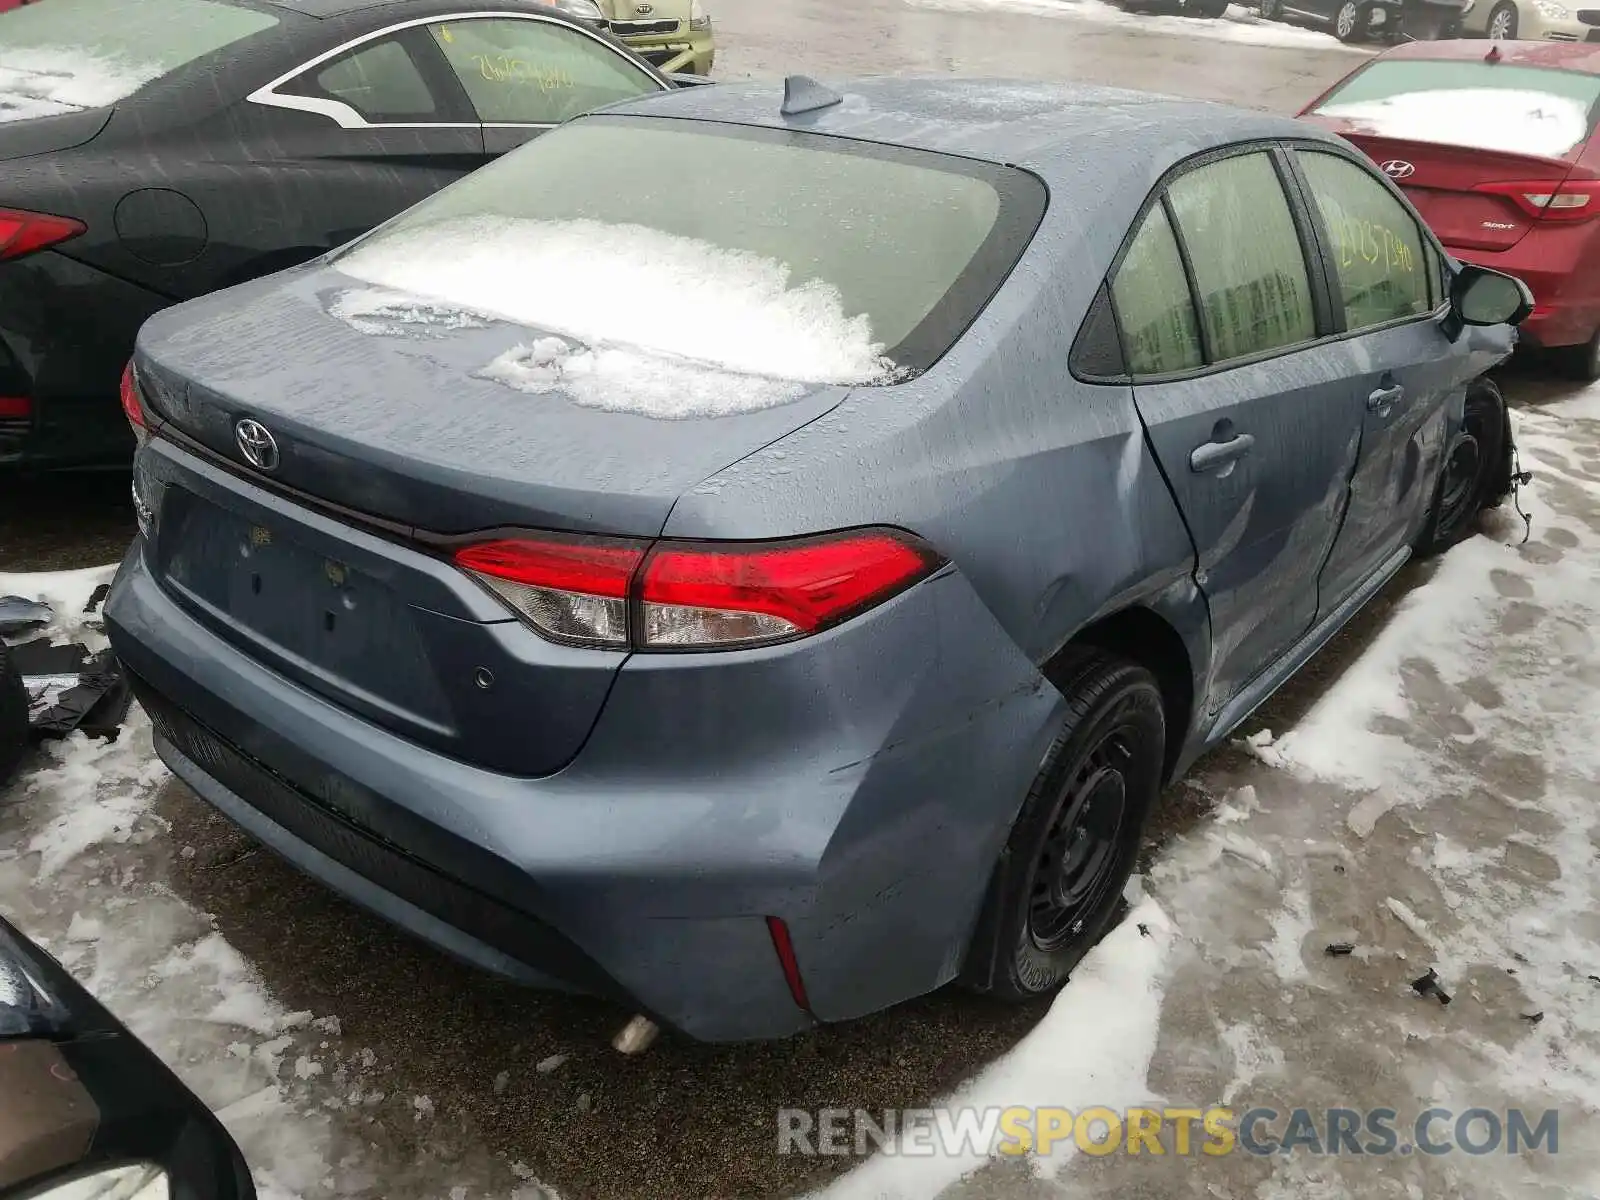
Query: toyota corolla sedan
[[758, 554]]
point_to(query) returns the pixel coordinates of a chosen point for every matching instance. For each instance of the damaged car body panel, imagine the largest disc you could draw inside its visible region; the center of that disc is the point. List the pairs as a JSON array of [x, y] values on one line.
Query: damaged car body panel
[[668, 755]]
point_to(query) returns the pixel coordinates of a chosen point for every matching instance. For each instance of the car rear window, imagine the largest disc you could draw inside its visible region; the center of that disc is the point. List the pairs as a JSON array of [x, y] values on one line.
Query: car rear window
[[771, 252], [61, 56], [1479, 105]]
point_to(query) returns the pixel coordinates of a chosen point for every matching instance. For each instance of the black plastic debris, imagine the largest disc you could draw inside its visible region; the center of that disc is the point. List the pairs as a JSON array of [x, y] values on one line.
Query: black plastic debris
[[1340, 949], [18, 616], [1144, 930], [1428, 985], [68, 688], [1533, 1018]]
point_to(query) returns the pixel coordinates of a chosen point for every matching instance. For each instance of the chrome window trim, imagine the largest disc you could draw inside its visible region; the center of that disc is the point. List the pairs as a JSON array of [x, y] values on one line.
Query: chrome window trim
[[346, 117]]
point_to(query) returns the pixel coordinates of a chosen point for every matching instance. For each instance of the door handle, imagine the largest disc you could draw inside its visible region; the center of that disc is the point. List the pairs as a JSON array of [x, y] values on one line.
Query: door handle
[[1219, 454], [1382, 400]]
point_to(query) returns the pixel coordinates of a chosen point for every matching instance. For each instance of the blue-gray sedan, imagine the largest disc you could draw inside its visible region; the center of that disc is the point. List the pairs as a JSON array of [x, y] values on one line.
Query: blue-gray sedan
[[758, 553]]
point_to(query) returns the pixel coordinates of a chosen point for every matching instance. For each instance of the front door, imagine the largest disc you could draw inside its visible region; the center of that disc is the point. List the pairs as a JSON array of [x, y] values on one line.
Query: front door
[[1389, 284], [1249, 419]]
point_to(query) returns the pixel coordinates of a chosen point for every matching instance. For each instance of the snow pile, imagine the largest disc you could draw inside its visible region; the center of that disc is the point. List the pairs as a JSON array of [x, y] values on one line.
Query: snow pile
[[619, 379], [46, 82], [1237, 24], [382, 312], [1514, 121], [649, 293], [1093, 1048]]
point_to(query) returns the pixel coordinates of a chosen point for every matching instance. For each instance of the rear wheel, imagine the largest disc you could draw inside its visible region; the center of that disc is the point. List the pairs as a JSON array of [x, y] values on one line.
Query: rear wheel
[[1350, 22], [13, 717], [1582, 362], [1503, 22], [1058, 885], [1473, 462]]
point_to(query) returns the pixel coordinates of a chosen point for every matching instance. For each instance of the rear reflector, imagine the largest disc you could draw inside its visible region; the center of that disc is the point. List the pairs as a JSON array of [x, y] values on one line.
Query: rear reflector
[[1574, 200], [13, 408], [695, 595], [784, 945], [24, 232]]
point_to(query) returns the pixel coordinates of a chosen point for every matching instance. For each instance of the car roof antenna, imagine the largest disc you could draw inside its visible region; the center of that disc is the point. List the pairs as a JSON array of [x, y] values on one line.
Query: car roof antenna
[[1493, 56], [802, 94]]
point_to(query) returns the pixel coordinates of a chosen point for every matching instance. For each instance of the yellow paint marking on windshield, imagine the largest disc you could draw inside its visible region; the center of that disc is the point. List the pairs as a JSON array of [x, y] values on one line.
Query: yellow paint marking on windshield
[[1372, 243]]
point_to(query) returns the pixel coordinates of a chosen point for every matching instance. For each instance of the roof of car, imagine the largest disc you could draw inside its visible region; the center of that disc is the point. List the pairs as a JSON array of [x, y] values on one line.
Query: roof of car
[[1039, 125], [339, 8], [1559, 56]]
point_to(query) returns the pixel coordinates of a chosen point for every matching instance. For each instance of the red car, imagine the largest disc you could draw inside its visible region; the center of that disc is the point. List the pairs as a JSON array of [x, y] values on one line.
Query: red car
[[1495, 144]]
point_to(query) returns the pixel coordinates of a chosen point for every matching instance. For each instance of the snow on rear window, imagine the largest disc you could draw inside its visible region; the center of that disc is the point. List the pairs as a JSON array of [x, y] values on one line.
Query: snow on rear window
[[670, 326], [1482, 119], [64, 56]]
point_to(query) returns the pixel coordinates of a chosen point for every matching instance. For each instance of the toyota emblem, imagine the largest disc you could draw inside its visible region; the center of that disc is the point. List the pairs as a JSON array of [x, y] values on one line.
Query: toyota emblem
[[256, 443], [1398, 168]]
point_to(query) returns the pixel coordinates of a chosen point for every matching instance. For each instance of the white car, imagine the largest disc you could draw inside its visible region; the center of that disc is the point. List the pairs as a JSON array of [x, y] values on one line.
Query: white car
[[1530, 21]]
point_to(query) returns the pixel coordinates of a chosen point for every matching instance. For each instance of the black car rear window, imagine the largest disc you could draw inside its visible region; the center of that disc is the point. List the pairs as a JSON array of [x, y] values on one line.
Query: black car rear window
[[1476, 104], [902, 248], [61, 56]]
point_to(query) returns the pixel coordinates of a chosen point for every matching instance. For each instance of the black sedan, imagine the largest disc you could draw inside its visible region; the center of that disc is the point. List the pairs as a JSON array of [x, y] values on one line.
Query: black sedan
[[155, 150]]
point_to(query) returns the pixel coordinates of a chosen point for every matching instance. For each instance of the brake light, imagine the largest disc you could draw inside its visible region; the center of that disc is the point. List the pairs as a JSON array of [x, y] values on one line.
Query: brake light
[[24, 232], [695, 595], [16, 408], [133, 406], [1574, 200]]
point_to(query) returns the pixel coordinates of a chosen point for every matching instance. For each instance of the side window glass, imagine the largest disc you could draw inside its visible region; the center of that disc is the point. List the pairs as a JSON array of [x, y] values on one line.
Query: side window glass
[[1249, 267], [1438, 286], [523, 72], [1377, 248], [1151, 296], [379, 81]]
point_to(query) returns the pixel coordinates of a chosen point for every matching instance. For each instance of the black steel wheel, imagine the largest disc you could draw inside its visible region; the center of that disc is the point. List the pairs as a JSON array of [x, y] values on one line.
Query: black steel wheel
[[1058, 885], [1473, 461]]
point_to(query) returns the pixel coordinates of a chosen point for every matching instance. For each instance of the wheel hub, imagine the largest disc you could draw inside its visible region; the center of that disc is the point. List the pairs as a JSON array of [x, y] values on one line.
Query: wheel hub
[[1079, 857]]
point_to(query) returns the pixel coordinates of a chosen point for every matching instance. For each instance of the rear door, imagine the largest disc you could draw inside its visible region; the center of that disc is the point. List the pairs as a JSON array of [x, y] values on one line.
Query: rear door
[[1389, 294], [526, 74], [393, 126], [1251, 420]]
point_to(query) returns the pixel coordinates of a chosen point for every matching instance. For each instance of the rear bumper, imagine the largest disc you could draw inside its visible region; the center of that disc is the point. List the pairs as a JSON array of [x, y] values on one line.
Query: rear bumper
[[66, 331], [816, 783], [1556, 263]]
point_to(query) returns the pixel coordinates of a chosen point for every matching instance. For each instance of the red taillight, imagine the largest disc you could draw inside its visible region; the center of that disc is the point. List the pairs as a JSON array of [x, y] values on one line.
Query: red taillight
[[573, 589], [132, 405], [24, 232], [1544, 200], [701, 595], [14, 408], [784, 945]]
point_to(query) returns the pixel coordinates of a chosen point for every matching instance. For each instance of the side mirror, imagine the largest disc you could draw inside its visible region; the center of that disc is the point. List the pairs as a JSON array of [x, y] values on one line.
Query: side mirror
[[1480, 296], [86, 1111]]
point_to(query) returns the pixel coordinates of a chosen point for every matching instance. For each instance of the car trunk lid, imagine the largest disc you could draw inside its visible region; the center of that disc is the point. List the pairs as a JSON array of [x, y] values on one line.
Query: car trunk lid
[[1450, 185], [397, 440], [21, 137]]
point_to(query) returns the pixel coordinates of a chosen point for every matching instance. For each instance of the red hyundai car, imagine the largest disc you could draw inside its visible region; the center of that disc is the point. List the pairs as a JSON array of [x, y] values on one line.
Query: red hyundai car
[[1495, 144]]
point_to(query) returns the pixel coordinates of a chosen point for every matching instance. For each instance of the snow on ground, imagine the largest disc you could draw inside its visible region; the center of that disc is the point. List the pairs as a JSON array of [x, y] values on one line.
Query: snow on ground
[[642, 299], [1508, 119], [1238, 24], [44, 82]]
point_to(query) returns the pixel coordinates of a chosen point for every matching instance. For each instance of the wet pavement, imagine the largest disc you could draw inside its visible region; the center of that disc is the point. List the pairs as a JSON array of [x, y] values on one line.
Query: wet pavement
[[352, 1061]]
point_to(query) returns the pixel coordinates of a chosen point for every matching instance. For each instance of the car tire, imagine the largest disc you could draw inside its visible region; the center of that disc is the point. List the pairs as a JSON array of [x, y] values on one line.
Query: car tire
[[1350, 22], [1581, 362], [13, 717], [1474, 464], [1058, 885], [1502, 22]]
